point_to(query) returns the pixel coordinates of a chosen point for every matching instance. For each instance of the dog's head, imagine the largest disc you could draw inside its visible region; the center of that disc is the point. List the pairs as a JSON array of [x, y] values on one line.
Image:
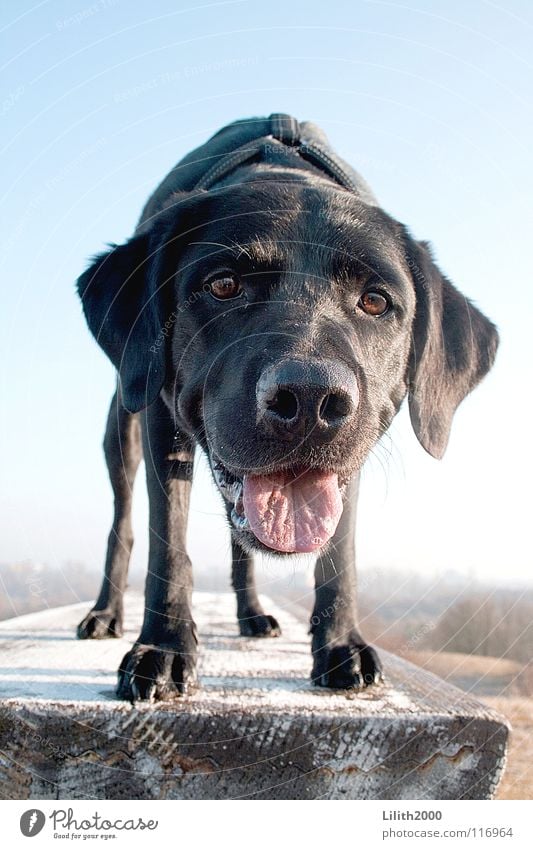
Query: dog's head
[[284, 323]]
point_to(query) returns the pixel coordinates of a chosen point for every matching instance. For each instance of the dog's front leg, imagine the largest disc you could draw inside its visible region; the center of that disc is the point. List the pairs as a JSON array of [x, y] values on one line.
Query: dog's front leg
[[162, 663], [341, 658]]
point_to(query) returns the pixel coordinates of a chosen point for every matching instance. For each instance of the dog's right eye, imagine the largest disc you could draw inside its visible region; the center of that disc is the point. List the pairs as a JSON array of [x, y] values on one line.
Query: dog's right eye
[[223, 288], [374, 303]]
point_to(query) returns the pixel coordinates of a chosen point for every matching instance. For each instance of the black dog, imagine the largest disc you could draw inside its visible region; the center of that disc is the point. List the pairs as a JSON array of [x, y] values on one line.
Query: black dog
[[269, 311]]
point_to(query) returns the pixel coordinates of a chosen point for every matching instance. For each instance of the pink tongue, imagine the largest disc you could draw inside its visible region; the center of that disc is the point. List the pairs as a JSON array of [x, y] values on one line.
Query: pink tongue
[[293, 513]]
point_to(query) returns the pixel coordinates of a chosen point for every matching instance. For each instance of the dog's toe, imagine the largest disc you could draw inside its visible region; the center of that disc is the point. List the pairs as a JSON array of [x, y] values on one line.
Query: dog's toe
[[351, 665], [259, 625], [100, 624], [151, 673]]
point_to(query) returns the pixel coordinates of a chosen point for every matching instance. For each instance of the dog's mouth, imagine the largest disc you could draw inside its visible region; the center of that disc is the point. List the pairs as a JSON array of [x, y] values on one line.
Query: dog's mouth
[[291, 510]]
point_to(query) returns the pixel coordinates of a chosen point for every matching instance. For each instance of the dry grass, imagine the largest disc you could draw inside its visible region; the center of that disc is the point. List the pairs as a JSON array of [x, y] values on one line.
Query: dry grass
[[517, 782], [481, 676]]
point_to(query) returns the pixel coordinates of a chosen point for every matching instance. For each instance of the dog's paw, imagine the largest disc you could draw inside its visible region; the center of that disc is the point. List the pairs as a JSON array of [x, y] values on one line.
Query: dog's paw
[[152, 673], [100, 624], [346, 665], [259, 625]]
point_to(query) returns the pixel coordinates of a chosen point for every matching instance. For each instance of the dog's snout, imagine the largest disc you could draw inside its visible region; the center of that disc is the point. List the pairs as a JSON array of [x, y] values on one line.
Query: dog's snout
[[294, 397]]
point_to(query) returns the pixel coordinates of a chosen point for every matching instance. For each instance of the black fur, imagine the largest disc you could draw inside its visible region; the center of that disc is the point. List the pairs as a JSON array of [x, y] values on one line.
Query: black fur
[[197, 371]]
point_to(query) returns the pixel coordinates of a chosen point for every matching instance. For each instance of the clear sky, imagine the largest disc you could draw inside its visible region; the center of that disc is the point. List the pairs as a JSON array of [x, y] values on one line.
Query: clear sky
[[429, 99]]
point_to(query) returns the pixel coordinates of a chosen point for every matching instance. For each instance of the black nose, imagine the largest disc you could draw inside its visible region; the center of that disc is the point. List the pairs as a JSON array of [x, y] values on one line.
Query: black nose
[[295, 397]]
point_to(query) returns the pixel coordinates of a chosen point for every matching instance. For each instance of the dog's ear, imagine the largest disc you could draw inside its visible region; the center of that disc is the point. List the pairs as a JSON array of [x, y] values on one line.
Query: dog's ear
[[123, 304], [453, 347]]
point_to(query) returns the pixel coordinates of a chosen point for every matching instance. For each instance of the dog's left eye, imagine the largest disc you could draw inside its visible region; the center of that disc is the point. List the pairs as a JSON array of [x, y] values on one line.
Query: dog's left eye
[[374, 303], [224, 288]]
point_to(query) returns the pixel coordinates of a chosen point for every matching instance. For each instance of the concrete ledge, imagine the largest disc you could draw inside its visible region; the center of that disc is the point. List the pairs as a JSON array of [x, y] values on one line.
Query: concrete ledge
[[256, 729]]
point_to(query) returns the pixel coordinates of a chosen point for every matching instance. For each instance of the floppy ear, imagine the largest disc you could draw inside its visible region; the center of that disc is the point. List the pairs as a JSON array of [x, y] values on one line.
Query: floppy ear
[[453, 347], [123, 305]]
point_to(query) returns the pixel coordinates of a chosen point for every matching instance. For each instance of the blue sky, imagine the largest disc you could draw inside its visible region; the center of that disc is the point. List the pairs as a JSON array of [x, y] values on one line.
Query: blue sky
[[431, 101]]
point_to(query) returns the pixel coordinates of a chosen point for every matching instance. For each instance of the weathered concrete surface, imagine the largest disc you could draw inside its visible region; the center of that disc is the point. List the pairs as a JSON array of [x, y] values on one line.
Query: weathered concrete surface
[[256, 729]]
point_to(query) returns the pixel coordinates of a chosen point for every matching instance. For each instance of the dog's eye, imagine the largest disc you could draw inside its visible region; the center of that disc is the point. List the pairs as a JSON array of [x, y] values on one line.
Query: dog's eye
[[374, 303], [224, 288]]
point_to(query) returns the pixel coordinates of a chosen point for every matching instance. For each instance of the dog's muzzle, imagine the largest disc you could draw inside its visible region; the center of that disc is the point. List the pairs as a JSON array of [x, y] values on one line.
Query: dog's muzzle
[[293, 508]]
